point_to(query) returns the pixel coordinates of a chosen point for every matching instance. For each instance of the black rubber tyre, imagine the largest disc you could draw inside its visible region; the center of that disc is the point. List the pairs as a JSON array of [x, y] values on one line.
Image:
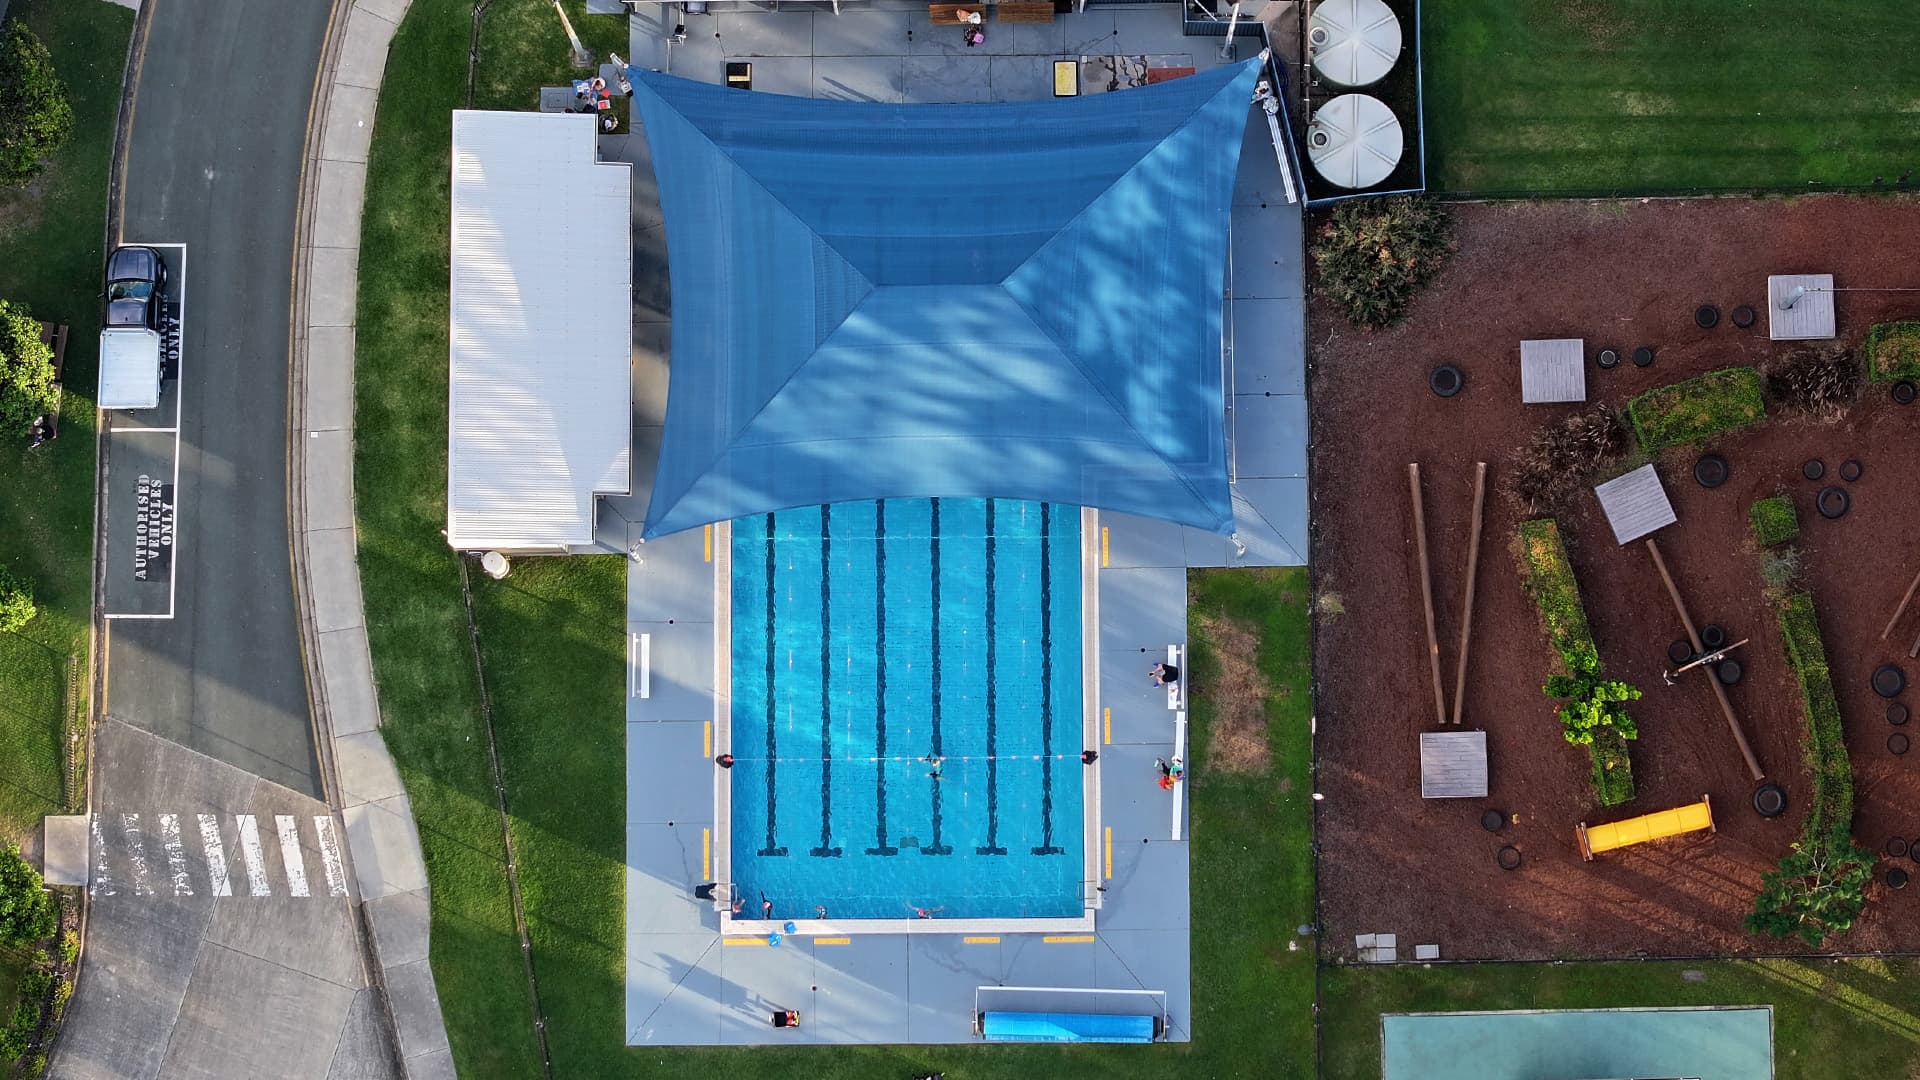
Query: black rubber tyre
[[1744, 316], [1897, 846], [1608, 359], [1729, 672], [1446, 380], [1713, 636], [1896, 878], [1680, 651], [1904, 392], [1851, 470], [1888, 680], [1898, 742], [1492, 820], [1832, 502], [1508, 857], [1897, 713], [1770, 800], [1814, 469], [1706, 316], [1643, 356], [1711, 471]]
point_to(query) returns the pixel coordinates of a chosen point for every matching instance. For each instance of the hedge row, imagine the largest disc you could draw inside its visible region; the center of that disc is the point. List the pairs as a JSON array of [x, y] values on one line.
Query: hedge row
[[1550, 581], [1826, 742], [1892, 351], [1774, 520], [1697, 409]]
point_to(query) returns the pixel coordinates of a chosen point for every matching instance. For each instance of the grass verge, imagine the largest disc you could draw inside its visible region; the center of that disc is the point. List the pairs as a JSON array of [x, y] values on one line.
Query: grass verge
[[1548, 577], [1643, 96], [1698, 408], [1852, 1018]]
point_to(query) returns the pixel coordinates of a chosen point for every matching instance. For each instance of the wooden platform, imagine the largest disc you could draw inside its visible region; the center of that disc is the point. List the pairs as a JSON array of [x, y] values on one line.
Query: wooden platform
[[1636, 504], [1453, 764], [1553, 371]]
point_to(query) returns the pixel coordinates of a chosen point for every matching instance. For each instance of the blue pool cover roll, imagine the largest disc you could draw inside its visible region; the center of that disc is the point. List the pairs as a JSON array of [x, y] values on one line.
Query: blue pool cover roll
[[878, 301], [1066, 1027]]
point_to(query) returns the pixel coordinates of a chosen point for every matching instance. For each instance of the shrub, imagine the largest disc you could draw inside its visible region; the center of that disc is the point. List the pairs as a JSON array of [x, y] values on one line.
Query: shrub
[[1374, 255], [62, 993], [1562, 458], [16, 603], [26, 910], [35, 118], [1594, 715], [26, 371], [1892, 351], [1774, 520], [1697, 409], [69, 947], [1819, 383]]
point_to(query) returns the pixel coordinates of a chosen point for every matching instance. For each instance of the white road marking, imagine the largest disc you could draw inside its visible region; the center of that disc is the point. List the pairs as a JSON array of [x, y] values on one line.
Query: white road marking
[[137, 854], [330, 856], [296, 864], [251, 854], [176, 855], [100, 883], [216, 855]]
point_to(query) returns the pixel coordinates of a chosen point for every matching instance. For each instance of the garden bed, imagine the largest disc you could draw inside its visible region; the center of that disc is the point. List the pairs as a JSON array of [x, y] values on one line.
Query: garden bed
[[1396, 863], [1697, 409]]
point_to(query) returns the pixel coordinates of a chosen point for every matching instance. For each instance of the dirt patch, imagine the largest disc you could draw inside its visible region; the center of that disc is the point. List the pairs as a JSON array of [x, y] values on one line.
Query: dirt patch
[[1238, 692], [1619, 275]]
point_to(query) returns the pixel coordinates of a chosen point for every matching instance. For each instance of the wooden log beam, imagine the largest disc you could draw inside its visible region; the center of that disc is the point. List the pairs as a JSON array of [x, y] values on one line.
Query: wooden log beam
[[1426, 591], [1719, 691], [1473, 572]]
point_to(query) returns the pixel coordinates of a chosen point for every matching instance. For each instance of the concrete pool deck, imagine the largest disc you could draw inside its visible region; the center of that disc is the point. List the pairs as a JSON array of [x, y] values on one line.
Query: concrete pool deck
[[686, 983]]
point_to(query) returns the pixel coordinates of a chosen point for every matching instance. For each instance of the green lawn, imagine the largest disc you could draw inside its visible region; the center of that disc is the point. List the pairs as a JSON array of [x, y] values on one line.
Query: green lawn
[[1853, 1018], [1651, 96], [50, 258]]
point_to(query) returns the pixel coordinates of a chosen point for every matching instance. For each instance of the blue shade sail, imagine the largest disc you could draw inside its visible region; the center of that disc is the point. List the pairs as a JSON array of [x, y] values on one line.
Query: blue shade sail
[[882, 301]]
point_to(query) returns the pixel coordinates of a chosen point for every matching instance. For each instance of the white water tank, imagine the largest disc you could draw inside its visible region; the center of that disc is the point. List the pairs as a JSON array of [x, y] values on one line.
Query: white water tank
[[1355, 141], [1353, 42]]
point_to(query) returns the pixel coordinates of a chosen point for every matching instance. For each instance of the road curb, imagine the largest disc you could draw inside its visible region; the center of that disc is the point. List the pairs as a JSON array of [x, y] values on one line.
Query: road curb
[[362, 784]]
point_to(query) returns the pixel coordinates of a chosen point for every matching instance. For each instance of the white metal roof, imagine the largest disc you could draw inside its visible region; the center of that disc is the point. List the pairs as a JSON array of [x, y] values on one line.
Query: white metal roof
[[539, 410]]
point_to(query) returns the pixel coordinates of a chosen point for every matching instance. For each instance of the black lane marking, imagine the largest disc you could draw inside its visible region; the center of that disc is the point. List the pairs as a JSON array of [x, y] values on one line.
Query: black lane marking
[[936, 848], [880, 681], [1046, 684], [773, 756], [826, 848], [992, 846]]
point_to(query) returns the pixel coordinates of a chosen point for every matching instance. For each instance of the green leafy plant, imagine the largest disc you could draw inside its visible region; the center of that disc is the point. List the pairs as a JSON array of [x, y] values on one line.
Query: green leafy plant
[[35, 118], [26, 371], [1892, 351], [69, 947], [1774, 520], [1374, 255], [62, 993], [1697, 409], [16, 603], [1593, 704], [26, 910]]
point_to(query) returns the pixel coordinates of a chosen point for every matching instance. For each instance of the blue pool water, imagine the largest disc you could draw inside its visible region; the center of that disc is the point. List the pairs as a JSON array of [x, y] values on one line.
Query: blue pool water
[[870, 636]]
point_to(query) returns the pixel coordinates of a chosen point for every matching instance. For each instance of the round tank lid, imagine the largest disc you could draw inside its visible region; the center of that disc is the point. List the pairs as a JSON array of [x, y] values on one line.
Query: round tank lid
[[1354, 42], [1355, 141]]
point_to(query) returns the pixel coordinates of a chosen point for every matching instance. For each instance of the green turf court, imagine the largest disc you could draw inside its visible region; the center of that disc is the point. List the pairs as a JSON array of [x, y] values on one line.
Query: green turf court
[[1699, 1043]]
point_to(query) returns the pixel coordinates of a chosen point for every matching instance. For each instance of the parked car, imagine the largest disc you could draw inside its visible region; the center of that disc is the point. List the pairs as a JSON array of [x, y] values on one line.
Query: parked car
[[130, 337]]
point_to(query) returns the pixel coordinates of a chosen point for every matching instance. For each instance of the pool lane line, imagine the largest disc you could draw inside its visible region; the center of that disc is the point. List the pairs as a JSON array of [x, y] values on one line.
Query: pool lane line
[[992, 846], [881, 847], [1047, 846], [983, 940], [773, 757], [1109, 853], [1067, 939], [833, 941], [826, 850], [933, 552]]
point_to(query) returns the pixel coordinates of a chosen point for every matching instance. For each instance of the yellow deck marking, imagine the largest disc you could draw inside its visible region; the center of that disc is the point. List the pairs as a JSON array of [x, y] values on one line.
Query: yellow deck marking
[[1109, 851], [1103, 546], [833, 941], [1067, 939], [709, 543], [706, 854], [980, 941], [743, 941], [1109, 721], [706, 740]]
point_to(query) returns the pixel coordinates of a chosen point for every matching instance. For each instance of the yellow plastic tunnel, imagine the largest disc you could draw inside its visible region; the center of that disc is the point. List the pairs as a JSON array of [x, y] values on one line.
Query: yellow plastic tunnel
[[1692, 817]]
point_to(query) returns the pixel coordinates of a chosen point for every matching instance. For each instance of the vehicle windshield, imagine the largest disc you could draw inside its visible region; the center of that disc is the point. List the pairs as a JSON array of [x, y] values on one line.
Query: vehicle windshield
[[129, 290]]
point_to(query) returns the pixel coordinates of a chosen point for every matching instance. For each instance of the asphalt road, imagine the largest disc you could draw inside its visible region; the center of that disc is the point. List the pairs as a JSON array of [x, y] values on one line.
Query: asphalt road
[[213, 162]]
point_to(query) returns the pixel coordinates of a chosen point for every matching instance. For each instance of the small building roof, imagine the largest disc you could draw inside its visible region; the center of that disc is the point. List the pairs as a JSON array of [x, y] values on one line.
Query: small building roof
[[1811, 316], [1636, 504], [1453, 764], [540, 333], [1553, 371]]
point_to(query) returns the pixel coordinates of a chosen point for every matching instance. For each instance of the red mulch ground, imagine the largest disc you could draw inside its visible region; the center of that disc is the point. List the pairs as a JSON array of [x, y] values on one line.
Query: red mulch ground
[[1621, 274]]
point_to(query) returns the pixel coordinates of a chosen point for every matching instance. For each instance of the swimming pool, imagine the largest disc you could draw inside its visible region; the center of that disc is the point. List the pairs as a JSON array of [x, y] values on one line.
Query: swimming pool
[[870, 640]]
